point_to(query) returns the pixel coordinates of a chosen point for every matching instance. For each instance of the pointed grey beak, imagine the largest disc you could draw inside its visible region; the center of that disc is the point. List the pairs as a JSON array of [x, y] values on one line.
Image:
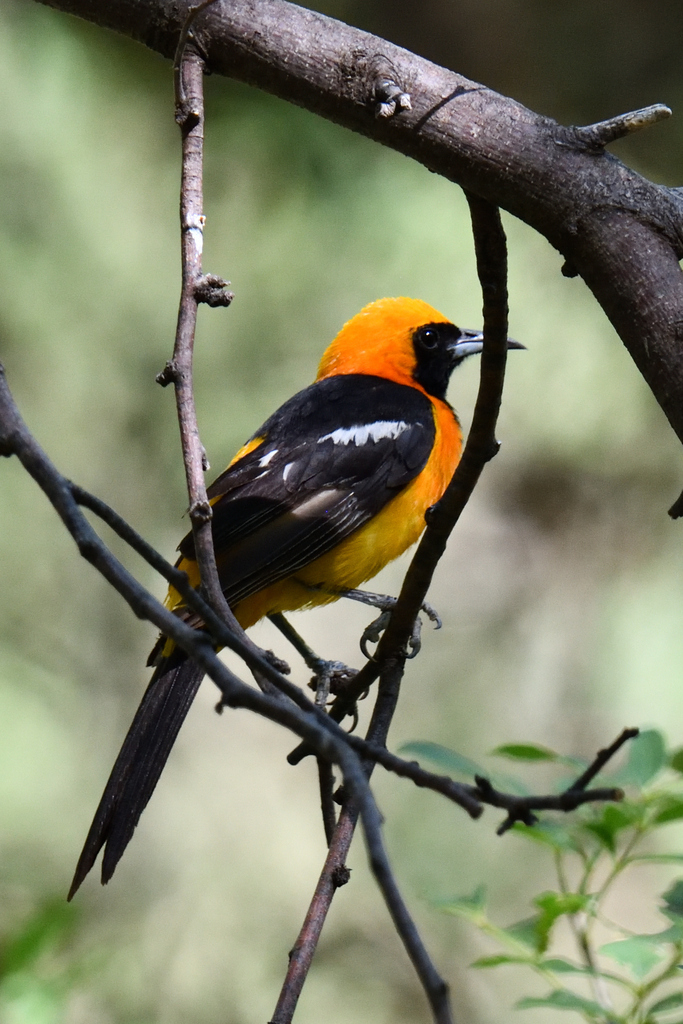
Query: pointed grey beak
[[471, 342]]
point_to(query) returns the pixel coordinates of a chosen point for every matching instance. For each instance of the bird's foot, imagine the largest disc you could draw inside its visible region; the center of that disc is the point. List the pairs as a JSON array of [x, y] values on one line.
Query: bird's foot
[[373, 632], [329, 677]]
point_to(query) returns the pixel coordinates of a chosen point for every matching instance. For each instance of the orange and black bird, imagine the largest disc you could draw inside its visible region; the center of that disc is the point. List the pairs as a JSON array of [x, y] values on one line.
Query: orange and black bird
[[329, 490]]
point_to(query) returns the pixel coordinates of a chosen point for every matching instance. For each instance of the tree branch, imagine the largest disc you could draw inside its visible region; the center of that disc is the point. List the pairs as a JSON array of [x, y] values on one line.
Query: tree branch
[[390, 656], [621, 233]]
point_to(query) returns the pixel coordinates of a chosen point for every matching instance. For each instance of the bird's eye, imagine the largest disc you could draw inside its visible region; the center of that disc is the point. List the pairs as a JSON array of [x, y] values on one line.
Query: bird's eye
[[428, 338]]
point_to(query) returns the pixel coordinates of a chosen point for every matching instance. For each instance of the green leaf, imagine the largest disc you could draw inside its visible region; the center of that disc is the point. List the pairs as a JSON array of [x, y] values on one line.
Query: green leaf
[[554, 905], [636, 953], [45, 930], [657, 858], [525, 931], [447, 760], [673, 899], [563, 1000], [549, 833], [646, 757], [612, 820], [672, 934], [670, 1003], [472, 908], [496, 961], [559, 966], [525, 752], [672, 811], [676, 760], [453, 763]]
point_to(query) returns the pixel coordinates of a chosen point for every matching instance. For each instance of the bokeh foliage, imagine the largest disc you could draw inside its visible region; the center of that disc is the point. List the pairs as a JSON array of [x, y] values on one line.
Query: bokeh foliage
[[561, 592]]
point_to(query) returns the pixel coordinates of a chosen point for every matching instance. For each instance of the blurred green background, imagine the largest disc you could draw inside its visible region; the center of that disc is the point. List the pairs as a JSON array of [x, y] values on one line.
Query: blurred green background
[[561, 592]]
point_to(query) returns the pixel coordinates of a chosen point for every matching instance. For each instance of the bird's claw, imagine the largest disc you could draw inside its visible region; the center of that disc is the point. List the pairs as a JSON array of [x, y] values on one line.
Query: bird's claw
[[372, 633], [432, 614], [329, 676]]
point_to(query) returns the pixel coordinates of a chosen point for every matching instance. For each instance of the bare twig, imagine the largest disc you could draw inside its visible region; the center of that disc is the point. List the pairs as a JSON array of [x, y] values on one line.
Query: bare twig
[[433, 984], [481, 446], [390, 655], [196, 288], [334, 873], [522, 808], [307, 940], [601, 759], [599, 135], [181, 97], [327, 805], [179, 370]]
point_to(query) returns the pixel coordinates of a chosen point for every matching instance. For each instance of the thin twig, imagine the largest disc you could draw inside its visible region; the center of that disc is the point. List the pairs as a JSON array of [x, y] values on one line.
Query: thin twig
[[304, 948], [433, 984], [389, 658], [599, 135], [522, 808], [196, 288], [601, 759], [327, 805], [264, 662], [179, 370], [334, 873], [481, 446], [183, 39]]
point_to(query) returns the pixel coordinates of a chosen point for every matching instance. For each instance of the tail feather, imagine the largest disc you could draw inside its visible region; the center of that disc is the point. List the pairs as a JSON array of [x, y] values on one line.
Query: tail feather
[[141, 760]]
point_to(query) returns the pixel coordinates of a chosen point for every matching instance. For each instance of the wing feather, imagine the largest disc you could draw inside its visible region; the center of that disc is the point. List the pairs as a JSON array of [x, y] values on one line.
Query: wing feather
[[330, 459]]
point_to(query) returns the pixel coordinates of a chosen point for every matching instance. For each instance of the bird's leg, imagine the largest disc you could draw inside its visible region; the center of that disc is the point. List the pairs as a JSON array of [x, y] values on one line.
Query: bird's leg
[[372, 633], [325, 673], [385, 603]]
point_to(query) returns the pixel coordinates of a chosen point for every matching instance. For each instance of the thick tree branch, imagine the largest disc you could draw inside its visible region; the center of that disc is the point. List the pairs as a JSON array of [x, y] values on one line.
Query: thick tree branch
[[621, 233]]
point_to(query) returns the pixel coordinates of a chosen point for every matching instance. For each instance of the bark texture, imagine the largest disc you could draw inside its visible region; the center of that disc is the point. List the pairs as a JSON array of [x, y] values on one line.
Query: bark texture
[[620, 232]]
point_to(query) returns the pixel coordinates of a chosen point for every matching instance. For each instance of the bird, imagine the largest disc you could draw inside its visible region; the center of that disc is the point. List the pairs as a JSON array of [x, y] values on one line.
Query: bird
[[329, 490]]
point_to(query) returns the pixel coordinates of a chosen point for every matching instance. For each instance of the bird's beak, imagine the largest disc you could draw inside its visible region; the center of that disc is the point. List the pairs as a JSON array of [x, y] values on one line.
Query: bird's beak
[[471, 342]]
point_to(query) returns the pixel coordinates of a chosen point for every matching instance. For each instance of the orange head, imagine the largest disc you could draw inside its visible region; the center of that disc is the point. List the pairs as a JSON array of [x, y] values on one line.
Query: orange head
[[402, 339]]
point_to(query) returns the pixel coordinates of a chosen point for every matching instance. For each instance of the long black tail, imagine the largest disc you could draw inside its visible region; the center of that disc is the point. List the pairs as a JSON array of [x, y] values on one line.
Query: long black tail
[[140, 762]]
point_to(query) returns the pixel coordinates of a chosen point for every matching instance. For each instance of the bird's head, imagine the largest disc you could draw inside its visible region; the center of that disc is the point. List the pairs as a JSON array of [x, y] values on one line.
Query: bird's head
[[403, 339]]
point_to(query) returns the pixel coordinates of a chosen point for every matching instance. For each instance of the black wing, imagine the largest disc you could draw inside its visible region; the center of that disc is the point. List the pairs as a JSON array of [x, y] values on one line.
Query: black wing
[[330, 459]]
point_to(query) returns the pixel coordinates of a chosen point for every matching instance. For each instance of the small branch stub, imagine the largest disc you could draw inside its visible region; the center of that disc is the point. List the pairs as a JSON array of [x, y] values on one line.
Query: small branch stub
[[390, 99], [200, 511], [168, 375], [213, 291], [597, 136]]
